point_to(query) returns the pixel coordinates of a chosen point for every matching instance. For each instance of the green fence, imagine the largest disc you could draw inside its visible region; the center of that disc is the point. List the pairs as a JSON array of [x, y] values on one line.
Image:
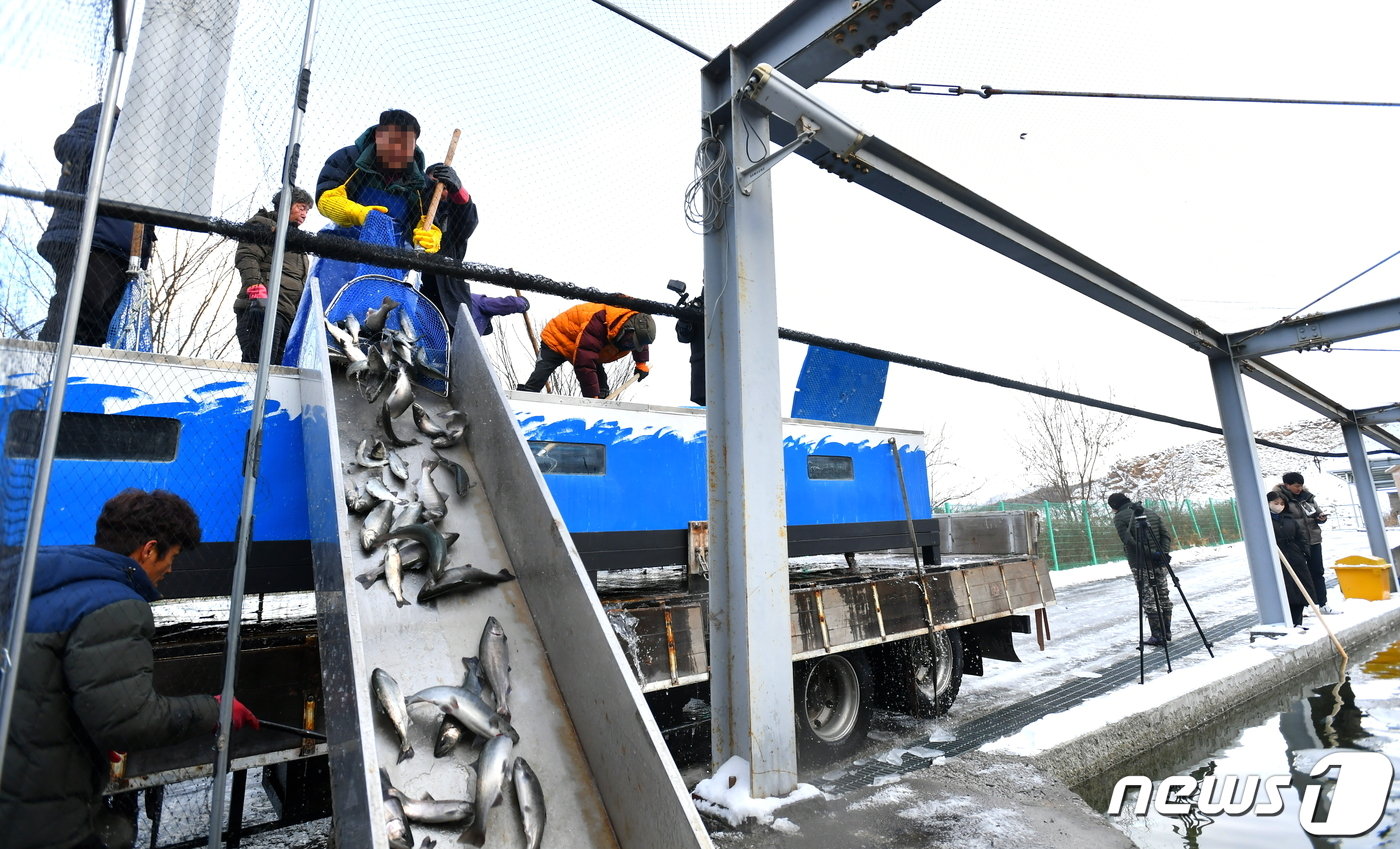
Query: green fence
[[1081, 533]]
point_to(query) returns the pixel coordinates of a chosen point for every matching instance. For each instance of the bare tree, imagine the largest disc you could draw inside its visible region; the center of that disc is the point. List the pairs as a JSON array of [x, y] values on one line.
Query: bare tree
[[1063, 444], [948, 480], [191, 282], [28, 280]]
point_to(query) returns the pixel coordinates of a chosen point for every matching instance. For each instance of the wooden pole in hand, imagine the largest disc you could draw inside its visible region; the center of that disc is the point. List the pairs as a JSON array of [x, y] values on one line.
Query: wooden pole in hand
[[437, 187], [138, 236]]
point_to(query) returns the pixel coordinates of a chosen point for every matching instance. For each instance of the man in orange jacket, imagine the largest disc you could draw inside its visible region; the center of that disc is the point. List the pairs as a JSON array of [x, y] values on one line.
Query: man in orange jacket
[[590, 336]]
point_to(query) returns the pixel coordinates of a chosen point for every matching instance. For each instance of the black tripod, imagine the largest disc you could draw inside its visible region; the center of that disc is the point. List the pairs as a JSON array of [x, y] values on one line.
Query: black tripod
[[1154, 555]]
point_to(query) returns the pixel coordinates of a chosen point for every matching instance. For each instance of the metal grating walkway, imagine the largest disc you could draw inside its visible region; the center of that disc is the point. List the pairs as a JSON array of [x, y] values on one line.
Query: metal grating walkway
[[1000, 723]]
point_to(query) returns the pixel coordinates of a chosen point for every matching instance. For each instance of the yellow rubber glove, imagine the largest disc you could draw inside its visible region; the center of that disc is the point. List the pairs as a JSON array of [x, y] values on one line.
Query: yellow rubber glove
[[428, 238], [342, 210]]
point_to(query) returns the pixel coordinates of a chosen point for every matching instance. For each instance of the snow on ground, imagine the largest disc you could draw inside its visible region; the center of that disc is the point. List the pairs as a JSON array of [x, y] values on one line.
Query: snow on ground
[[970, 822], [1094, 624], [727, 795]]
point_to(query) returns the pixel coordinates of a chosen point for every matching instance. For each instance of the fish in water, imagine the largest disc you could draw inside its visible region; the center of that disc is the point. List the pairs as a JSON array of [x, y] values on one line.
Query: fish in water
[[492, 775], [412, 556], [433, 542], [395, 822], [371, 454], [455, 423], [495, 663], [434, 504], [529, 797], [450, 732], [393, 573], [461, 481], [390, 700], [461, 579], [376, 526], [467, 708], [434, 811], [376, 318], [386, 421]]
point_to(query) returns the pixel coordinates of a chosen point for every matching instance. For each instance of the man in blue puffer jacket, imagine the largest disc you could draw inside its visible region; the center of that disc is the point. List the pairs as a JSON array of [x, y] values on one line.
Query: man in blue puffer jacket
[[111, 242], [84, 686], [385, 171]]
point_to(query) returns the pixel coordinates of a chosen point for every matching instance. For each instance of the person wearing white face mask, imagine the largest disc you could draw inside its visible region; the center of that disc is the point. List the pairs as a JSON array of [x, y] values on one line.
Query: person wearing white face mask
[[1302, 506], [1292, 541]]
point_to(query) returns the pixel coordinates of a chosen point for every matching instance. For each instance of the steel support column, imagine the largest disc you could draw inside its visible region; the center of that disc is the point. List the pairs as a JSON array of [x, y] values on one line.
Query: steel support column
[[1259, 545], [750, 641], [1365, 490]]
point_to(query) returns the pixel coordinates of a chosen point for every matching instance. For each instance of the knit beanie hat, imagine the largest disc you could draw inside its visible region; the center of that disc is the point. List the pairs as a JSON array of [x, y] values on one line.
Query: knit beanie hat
[[1117, 500], [401, 119]]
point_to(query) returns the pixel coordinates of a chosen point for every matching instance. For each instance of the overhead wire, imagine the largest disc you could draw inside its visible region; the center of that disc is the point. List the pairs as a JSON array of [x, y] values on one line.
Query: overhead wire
[[986, 92], [652, 28]]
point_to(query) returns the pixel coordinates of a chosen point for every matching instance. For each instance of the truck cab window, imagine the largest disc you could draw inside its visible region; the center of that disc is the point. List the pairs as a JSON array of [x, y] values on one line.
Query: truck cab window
[[94, 436], [570, 458], [827, 468]]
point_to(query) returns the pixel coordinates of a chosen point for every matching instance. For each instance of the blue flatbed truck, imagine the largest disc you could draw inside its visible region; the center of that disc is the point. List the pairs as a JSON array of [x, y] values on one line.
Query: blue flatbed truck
[[890, 604]]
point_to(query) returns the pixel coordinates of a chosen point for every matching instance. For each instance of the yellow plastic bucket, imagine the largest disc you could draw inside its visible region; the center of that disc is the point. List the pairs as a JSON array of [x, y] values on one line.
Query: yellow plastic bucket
[[1365, 577]]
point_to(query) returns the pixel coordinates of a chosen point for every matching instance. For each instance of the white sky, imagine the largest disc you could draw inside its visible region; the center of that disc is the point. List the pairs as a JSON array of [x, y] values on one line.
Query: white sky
[[579, 131]]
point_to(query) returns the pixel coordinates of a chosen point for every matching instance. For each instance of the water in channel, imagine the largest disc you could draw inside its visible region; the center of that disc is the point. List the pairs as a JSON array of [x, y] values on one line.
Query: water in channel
[[1281, 733]]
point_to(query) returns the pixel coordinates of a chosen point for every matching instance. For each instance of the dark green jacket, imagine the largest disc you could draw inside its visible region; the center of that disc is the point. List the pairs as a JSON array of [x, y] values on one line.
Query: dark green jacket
[[254, 264], [1157, 537], [84, 688]]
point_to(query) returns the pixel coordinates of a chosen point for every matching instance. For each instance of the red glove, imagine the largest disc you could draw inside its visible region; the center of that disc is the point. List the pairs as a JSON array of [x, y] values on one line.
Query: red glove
[[241, 715], [257, 290]]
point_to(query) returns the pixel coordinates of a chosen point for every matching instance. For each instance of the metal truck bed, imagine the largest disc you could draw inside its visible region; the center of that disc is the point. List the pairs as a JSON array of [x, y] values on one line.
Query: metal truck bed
[[832, 609]]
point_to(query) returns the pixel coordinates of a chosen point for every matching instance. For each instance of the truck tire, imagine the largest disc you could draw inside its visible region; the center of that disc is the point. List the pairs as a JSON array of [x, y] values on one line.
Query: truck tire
[[834, 702], [935, 672]]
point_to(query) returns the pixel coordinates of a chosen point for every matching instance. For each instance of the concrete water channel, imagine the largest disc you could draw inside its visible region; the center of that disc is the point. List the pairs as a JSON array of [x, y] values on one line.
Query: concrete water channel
[[1282, 732]]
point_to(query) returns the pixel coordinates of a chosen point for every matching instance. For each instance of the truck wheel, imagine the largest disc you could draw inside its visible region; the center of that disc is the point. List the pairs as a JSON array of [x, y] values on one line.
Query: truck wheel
[[834, 702], [935, 672]]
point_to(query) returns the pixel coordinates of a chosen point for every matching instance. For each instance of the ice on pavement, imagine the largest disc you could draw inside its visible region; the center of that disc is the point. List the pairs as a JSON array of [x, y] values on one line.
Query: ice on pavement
[[968, 823]]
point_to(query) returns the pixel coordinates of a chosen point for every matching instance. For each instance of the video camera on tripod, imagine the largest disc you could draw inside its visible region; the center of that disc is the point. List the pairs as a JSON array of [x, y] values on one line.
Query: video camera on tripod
[[678, 286], [1148, 540]]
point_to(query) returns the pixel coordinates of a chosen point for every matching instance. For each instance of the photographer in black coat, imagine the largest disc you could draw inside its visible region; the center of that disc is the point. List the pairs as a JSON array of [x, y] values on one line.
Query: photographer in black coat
[[1146, 544]]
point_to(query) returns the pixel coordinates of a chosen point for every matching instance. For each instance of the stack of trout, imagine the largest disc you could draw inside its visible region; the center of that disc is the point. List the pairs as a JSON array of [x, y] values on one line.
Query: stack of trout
[[399, 529]]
